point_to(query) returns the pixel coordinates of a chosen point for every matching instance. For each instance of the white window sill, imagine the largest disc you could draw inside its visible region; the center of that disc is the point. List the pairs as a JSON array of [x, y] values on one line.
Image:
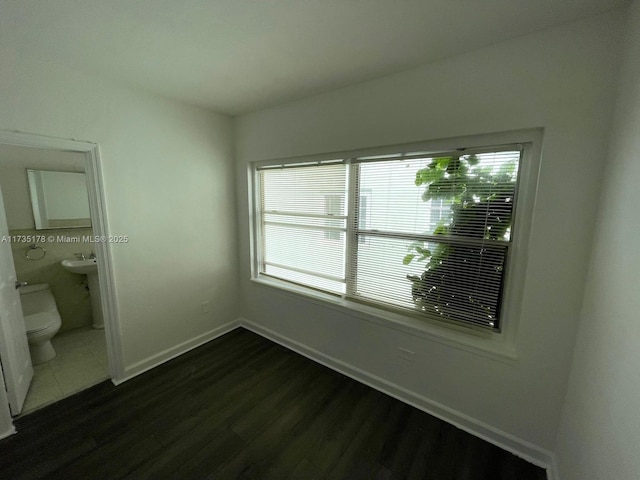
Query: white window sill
[[485, 343]]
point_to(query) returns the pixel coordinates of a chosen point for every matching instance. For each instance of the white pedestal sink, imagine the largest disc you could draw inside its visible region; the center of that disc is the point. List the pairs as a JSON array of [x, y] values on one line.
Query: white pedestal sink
[[89, 267]]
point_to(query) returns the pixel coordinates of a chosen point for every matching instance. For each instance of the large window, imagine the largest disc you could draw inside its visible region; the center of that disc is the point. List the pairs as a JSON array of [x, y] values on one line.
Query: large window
[[426, 233]]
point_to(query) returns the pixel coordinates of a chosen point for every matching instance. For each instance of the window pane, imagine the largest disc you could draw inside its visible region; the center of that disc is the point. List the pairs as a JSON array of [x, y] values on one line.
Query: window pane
[[470, 195], [381, 274], [304, 238], [303, 189], [307, 250], [457, 282], [467, 200]]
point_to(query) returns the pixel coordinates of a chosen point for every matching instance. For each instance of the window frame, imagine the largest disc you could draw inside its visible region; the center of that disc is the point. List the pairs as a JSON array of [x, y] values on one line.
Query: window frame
[[500, 341]]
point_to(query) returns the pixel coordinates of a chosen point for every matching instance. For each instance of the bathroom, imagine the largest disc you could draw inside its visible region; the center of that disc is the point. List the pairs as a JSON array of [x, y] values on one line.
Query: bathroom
[[34, 182]]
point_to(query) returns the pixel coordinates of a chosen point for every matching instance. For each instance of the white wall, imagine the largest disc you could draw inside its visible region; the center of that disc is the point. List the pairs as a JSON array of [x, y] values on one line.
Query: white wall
[[168, 177], [600, 431], [562, 80]]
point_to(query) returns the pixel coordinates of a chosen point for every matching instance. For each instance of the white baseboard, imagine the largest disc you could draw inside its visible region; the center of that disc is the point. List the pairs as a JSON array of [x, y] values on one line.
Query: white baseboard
[[526, 450], [552, 470], [7, 433], [173, 352]]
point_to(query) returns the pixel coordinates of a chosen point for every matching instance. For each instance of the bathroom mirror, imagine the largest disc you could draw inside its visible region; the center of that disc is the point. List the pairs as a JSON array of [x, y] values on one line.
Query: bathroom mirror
[[59, 199]]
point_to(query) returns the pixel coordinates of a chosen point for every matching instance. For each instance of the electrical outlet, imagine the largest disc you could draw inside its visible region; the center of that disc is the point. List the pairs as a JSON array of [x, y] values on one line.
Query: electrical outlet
[[205, 307], [407, 355]]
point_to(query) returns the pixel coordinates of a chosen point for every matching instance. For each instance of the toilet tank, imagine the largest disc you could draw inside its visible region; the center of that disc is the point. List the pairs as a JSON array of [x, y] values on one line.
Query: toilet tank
[[37, 299]]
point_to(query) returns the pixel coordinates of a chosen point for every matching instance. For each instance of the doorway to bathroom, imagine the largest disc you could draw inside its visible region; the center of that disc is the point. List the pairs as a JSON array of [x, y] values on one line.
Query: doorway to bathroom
[[62, 304]]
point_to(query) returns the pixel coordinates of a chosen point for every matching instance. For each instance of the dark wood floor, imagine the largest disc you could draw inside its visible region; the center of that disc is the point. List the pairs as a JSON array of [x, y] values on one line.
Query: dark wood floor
[[242, 407]]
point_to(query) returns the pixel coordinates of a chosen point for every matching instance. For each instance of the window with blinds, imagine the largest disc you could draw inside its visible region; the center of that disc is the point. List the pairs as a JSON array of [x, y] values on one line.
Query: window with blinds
[[304, 223], [426, 233]]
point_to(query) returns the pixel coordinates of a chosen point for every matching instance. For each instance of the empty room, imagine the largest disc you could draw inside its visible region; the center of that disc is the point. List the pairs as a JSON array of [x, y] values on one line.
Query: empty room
[[319, 239]]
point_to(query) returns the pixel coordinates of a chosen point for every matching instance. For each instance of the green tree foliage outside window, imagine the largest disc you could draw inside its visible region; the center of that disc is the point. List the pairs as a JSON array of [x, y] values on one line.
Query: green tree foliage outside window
[[481, 195]]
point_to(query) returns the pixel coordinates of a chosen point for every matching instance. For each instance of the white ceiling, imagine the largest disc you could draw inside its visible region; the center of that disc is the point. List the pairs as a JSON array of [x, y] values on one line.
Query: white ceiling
[[236, 56]]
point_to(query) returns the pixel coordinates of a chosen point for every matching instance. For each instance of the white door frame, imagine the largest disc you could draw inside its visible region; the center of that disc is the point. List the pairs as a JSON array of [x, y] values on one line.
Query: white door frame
[[99, 222]]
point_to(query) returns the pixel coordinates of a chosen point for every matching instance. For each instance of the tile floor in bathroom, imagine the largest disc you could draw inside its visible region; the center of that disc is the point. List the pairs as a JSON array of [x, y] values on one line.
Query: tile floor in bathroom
[[80, 362]]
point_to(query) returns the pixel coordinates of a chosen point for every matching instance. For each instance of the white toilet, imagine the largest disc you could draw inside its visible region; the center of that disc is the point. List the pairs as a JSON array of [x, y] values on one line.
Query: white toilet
[[41, 319]]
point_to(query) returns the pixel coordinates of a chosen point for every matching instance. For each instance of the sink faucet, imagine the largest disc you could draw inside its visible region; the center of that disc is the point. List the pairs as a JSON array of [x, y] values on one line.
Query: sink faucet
[[92, 256], [80, 256]]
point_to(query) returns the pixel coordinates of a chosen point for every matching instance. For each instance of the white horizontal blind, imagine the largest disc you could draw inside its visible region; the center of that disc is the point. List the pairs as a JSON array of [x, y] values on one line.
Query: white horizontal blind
[[435, 233], [303, 220]]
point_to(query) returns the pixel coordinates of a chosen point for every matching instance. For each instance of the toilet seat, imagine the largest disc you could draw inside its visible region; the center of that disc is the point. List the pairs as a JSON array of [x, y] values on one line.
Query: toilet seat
[[39, 321]]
